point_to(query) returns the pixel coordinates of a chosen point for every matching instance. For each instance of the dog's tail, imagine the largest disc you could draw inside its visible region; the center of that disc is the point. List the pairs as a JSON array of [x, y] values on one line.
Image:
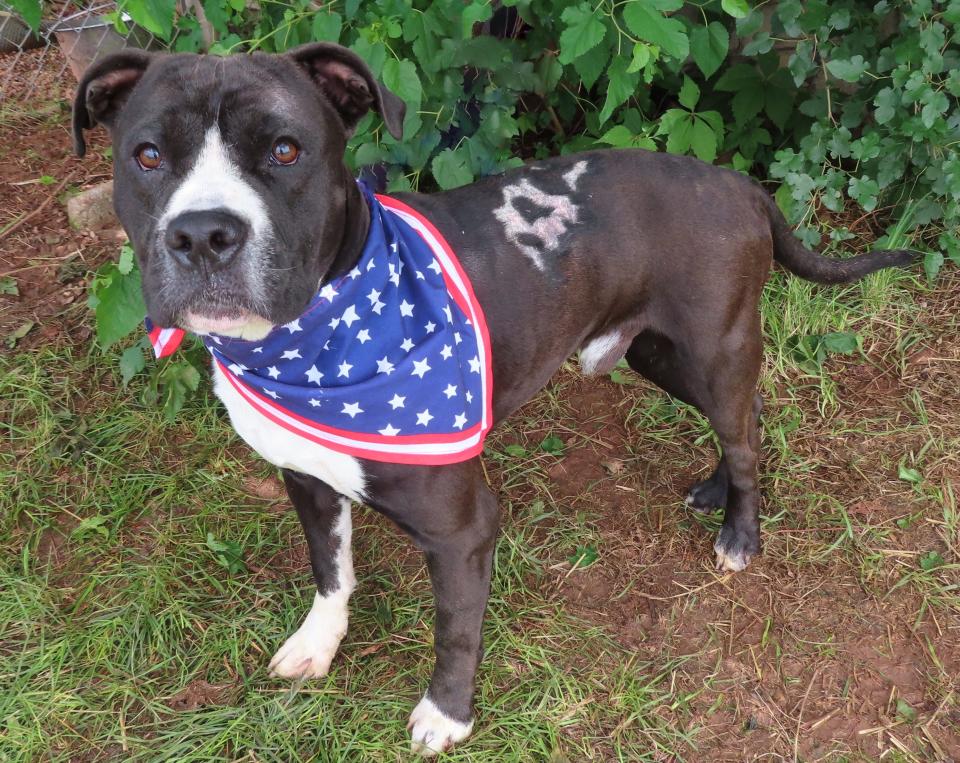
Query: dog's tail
[[795, 257]]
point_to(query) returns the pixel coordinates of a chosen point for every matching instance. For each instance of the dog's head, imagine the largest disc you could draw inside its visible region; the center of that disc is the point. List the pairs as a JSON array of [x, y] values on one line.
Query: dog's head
[[228, 175]]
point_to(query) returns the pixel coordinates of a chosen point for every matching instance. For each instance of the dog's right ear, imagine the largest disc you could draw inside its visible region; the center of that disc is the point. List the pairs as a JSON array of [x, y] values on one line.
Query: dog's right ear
[[104, 89]]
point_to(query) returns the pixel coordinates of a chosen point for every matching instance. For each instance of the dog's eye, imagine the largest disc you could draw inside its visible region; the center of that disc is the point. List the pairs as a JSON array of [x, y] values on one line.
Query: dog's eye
[[285, 151], [148, 157]]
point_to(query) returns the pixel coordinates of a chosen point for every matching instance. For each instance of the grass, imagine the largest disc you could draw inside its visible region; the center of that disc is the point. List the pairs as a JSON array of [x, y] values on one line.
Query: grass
[[123, 636]]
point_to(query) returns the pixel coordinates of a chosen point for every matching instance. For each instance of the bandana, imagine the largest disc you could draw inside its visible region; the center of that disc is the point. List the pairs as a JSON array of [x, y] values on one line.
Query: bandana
[[390, 362]]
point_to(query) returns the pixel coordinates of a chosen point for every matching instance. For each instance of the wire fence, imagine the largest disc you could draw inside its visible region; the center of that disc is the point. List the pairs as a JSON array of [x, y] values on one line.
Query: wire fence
[[72, 35]]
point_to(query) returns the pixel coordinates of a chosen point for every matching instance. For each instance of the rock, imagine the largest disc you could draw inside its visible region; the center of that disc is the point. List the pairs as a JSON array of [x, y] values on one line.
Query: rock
[[92, 209]]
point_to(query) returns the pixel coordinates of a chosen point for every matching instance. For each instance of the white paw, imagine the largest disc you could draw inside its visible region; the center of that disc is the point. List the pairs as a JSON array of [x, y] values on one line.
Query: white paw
[[432, 731], [731, 562], [309, 652]]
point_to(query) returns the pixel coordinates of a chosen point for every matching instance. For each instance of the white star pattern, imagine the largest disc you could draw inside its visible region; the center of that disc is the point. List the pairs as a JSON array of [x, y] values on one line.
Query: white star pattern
[[420, 367], [328, 370], [352, 409], [350, 316]]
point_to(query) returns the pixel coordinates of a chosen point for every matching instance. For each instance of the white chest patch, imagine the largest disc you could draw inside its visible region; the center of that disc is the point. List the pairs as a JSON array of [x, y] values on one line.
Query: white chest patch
[[287, 450], [541, 235]]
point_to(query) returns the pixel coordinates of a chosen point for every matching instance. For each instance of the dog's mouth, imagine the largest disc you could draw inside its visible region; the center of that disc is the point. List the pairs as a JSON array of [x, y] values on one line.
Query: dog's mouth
[[234, 322]]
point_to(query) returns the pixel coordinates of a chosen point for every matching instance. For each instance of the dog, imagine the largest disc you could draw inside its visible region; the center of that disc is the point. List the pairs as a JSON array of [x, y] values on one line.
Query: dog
[[230, 183]]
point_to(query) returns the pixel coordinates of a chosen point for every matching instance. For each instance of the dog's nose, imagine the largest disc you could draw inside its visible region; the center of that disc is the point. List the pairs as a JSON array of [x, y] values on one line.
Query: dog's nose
[[211, 237]]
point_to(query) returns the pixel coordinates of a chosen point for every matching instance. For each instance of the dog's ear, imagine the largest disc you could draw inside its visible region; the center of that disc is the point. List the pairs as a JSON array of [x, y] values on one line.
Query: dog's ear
[[104, 89], [349, 85]]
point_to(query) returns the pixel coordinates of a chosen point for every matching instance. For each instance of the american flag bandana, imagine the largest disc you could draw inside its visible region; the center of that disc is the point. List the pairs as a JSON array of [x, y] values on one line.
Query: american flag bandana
[[390, 362]]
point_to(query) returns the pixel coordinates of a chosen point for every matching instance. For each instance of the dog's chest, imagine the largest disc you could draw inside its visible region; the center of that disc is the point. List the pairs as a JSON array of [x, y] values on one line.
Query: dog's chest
[[287, 450]]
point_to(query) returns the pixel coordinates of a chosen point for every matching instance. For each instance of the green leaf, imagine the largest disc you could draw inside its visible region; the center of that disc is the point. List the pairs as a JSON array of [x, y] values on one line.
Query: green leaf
[[132, 362], [179, 380], [515, 451], [583, 32], [474, 13], [709, 46], [92, 524], [843, 342], [228, 553], [909, 474], [747, 103], [689, 94], [120, 309], [451, 169], [703, 140], [641, 57], [649, 24], [592, 64], [849, 70], [552, 445], [619, 137], [153, 15], [401, 78], [29, 11], [326, 26], [8, 285], [864, 191], [904, 710], [18, 333], [583, 557], [931, 561], [932, 262], [125, 261], [736, 8], [620, 86]]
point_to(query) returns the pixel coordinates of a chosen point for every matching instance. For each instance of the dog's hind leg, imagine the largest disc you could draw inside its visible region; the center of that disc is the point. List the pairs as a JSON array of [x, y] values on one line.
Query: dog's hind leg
[[719, 377], [325, 517]]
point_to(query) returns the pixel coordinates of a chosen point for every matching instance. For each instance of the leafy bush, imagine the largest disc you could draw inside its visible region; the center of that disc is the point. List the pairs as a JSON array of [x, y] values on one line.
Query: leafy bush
[[852, 106]]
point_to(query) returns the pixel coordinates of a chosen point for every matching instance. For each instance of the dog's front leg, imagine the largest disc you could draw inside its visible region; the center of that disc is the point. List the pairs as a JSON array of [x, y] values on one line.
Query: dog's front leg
[[457, 534], [325, 517]]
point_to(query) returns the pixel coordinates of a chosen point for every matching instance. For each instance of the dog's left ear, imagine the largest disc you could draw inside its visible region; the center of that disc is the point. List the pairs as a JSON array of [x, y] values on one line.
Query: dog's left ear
[[349, 85], [103, 91]]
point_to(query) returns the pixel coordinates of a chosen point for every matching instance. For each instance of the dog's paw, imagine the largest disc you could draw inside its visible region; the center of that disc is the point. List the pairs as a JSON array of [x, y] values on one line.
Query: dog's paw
[[309, 652], [432, 731], [707, 496], [734, 550]]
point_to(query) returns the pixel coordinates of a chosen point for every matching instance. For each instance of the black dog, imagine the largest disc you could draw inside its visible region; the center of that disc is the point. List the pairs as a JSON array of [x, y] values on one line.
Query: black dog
[[230, 183]]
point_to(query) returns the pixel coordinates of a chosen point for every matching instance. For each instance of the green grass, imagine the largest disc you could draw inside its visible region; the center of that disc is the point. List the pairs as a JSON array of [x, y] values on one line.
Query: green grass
[[112, 602]]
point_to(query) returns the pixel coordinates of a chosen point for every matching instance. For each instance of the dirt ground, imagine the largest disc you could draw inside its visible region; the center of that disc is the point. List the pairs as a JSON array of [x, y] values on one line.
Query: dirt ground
[[803, 653]]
